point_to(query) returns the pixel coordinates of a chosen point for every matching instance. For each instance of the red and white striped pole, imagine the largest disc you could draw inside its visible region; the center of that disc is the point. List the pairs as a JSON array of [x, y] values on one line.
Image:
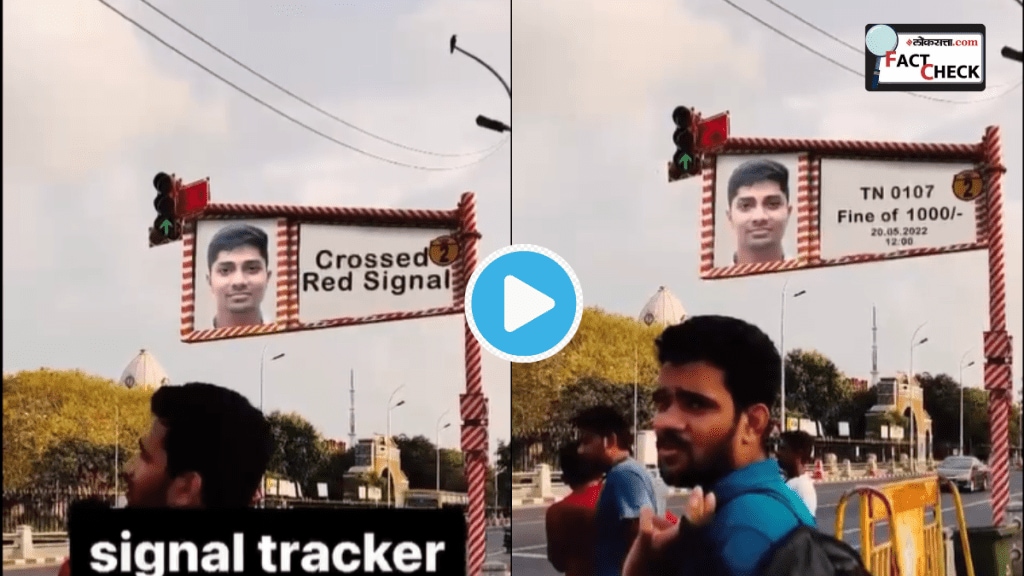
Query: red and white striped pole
[[473, 402], [998, 347]]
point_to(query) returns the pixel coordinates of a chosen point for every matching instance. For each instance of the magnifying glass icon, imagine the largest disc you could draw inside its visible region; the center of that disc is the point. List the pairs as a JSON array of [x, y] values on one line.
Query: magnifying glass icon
[[879, 40]]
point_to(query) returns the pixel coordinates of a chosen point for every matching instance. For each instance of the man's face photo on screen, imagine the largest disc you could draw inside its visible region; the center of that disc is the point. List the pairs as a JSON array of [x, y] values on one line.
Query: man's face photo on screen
[[759, 210], [238, 274]]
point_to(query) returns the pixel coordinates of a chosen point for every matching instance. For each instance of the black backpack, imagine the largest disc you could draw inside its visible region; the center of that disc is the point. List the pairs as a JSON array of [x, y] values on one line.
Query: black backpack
[[806, 551], [809, 552]]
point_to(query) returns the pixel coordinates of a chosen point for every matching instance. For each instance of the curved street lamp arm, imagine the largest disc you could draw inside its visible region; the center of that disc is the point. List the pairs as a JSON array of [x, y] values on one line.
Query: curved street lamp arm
[[488, 66]]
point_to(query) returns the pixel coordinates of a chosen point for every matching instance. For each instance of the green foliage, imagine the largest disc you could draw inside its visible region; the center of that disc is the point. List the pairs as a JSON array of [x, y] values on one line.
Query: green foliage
[[77, 463], [607, 346], [894, 418], [333, 472], [300, 452], [590, 392], [854, 410], [942, 401], [50, 413], [815, 388]]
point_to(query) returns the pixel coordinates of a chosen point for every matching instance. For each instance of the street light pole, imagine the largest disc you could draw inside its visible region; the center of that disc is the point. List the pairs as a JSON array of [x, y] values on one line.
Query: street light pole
[[483, 121], [782, 351], [962, 366], [388, 439], [454, 48], [438, 447], [914, 343], [263, 369]]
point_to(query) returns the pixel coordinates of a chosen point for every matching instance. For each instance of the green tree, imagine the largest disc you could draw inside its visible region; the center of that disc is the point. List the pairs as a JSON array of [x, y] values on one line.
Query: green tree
[[942, 402], [76, 463], [333, 470], [453, 471], [46, 408], [608, 346], [894, 418], [589, 392], [855, 410], [976, 423], [419, 461], [299, 450], [815, 388]]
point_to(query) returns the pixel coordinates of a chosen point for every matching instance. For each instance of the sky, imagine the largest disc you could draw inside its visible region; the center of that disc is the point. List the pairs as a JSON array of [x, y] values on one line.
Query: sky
[[94, 108], [597, 83]]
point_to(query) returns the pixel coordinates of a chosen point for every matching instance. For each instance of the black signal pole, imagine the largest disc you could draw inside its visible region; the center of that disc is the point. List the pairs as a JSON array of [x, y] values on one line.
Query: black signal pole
[[484, 121]]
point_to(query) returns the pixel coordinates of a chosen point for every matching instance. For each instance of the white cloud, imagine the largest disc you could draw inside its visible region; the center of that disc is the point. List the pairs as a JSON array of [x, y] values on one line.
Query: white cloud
[[79, 88], [601, 61]]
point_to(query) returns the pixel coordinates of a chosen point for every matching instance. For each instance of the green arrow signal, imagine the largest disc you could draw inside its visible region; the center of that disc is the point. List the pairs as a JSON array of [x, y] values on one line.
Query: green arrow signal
[[685, 161], [165, 226]]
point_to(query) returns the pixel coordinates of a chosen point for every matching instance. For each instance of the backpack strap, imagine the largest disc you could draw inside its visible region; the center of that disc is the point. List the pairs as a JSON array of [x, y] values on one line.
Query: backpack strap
[[778, 498]]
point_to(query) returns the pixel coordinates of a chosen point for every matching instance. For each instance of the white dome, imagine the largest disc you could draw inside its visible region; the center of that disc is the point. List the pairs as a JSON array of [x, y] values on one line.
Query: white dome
[[144, 372], [663, 308]]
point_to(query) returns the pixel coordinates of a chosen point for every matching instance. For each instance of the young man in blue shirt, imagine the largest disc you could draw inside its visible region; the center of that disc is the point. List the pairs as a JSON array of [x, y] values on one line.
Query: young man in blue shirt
[[719, 377], [605, 441]]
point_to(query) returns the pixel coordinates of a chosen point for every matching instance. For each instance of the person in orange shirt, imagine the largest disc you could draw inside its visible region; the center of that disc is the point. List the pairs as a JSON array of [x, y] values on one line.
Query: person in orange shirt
[[570, 522]]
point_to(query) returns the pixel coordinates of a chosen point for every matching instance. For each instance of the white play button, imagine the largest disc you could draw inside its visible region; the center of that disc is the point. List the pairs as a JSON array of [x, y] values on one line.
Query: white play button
[[523, 304]]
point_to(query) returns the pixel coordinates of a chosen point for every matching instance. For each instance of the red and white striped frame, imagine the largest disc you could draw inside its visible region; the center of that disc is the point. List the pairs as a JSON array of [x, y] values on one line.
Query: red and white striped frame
[[289, 219], [710, 211], [809, 198], [190, 273]]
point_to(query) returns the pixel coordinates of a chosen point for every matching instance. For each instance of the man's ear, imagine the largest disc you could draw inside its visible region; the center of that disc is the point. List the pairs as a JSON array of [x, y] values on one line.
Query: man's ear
[[186, 491], [208, 281], [759, 418]]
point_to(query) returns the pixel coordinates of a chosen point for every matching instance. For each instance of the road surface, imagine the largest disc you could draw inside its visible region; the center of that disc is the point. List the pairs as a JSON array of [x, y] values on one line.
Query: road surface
[[529, 555], [495, 553]]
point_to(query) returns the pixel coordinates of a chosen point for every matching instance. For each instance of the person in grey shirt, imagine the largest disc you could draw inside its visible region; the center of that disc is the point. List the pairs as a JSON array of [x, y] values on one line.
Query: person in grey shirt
[[605, 441]]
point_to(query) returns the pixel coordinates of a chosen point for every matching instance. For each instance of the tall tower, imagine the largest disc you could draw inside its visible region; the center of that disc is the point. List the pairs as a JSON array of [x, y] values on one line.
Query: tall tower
[[874, 347], [351, 408]]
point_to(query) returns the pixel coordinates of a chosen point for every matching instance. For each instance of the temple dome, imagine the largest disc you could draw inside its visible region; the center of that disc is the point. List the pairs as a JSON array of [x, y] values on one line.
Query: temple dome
[[663, 308], [144, 372]]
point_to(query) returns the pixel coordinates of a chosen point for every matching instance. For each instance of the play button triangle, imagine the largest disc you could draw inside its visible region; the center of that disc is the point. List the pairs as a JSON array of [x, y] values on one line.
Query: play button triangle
[[523, 304]]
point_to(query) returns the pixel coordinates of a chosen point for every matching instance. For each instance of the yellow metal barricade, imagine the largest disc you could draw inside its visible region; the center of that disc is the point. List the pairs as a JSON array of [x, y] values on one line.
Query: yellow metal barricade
[[912, 512]]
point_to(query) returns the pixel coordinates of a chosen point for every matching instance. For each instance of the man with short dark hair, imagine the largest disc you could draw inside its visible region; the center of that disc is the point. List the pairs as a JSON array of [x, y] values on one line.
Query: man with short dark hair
[[719, 377], [758, 210], [207, 447], [238, 273], [796, 448], [569, 523], [605, 440]]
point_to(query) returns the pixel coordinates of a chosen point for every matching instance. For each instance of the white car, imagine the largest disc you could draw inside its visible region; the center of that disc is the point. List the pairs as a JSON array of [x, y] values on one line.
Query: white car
[[966, 472]]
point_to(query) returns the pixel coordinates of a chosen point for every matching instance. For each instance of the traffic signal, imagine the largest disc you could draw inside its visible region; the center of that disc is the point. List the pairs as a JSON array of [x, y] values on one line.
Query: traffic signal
[[686, 160], [166, 227]]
